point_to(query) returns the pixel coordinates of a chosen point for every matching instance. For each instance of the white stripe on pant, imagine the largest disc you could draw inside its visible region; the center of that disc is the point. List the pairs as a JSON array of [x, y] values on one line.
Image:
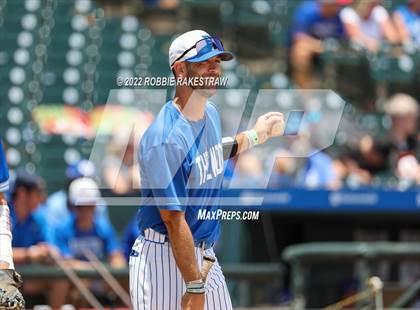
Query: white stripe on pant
[[156, 282]]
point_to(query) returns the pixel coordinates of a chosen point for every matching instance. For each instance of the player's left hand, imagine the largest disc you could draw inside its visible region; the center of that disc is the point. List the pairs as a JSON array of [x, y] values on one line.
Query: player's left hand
[[269, 125], [10, 297], [193, 301]]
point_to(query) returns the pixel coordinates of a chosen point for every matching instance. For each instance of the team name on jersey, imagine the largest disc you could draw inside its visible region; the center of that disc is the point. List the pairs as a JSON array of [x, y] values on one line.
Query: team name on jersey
[[210, 163]]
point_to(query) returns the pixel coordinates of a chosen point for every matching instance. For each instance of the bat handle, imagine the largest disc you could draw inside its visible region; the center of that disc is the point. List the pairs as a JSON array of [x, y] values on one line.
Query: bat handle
[[208, 262]]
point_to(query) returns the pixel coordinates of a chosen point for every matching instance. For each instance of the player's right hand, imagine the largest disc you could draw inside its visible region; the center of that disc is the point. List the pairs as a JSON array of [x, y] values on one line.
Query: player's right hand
[[193, 301], [264, 125]]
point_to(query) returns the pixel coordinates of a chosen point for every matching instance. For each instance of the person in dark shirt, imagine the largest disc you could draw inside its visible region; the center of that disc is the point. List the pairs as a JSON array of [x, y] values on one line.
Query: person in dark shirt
[[404, 138]]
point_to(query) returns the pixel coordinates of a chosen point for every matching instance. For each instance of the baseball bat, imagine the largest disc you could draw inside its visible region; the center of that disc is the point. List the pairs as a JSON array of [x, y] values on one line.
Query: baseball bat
[[208, 262]]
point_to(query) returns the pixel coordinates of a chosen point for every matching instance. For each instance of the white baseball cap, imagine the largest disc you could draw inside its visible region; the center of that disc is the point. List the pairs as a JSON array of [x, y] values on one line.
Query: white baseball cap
[[401, 105], [84, 192], [183, 48]]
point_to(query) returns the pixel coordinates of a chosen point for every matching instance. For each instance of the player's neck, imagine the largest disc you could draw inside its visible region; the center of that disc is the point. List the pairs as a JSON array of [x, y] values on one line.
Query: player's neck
[[399, 135], [84, 224], [22, 213], [190, 103]]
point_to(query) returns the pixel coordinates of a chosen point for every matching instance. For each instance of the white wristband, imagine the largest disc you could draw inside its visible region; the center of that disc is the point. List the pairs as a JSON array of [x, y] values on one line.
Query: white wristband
[[195, 287], [252, 138]]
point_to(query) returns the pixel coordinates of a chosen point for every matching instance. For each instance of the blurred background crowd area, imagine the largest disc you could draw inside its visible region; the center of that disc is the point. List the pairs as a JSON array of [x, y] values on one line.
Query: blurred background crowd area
[[60, 59]]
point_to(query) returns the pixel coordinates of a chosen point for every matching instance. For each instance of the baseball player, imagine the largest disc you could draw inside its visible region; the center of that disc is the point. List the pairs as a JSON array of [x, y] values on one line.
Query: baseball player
[[10, 280], [172, 262]]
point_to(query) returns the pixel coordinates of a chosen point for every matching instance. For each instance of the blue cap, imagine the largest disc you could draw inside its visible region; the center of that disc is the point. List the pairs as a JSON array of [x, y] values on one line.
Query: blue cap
[[224, 55]]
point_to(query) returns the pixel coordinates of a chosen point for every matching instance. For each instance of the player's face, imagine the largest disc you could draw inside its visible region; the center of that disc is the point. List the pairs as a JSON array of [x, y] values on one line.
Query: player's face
[[34, 198], [329, 10], [85, 212], [408, 123], [208, 68]]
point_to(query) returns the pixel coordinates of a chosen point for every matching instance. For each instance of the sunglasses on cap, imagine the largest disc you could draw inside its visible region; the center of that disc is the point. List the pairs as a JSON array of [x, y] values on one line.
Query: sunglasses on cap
[[202, 47]]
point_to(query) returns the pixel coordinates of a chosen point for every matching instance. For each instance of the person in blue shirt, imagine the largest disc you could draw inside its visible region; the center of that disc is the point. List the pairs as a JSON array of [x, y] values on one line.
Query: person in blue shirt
[[10, 280], [181, 166], [313, 22], [318, 172], [284, 170], [55, 209], [32, 236], [407, 22], [33, 240], [85, 231]]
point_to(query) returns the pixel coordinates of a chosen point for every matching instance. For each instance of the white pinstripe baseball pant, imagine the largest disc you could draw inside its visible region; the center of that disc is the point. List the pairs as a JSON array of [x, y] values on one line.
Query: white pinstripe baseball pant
[[156, 282]]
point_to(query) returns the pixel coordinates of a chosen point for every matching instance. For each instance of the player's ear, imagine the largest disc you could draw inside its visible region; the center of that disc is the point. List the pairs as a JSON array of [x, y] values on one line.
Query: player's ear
[[180, 69]]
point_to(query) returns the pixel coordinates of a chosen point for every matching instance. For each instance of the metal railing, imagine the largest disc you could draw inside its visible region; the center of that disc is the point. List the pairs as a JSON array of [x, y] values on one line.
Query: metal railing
[[365, 253], [243, 274]]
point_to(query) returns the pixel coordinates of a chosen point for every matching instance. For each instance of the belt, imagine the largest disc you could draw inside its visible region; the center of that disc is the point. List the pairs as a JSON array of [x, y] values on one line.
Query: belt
[[152, 235]]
